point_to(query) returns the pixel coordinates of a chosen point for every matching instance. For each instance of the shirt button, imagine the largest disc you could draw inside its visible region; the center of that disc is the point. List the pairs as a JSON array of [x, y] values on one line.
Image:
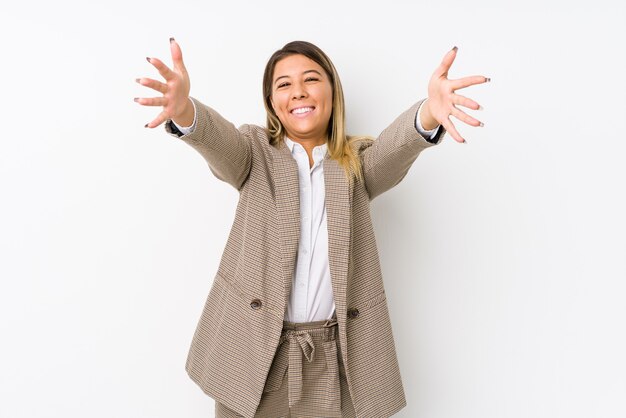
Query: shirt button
[[301, 284], [255, 304]]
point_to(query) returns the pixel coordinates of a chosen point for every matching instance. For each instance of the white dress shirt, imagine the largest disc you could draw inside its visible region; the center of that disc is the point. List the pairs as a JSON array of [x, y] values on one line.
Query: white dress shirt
[[311, 297]]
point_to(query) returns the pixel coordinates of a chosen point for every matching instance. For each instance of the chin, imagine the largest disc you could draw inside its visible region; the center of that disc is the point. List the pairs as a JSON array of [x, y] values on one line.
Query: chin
[[302, 133]]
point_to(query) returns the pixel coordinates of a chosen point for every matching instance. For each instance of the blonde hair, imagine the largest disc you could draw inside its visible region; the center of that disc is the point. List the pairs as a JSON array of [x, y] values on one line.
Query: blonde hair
[[341, 147]]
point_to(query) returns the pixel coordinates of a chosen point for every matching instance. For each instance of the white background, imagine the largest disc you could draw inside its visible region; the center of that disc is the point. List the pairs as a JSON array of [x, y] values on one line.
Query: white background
[[504, 258]]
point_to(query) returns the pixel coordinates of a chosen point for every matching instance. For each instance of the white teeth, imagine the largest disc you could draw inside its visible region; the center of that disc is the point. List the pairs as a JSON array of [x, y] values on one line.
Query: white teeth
[[302, 110]]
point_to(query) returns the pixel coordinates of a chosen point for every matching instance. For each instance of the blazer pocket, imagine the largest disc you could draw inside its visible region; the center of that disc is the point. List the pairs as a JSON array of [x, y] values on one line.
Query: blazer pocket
[[355, 309]]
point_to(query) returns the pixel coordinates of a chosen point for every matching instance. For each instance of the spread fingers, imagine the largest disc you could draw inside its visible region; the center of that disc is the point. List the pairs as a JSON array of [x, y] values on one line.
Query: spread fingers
[[451, 129], [457, 99], [164, 70], [153, 84], [464, 117], [151, 101], [469, 81]]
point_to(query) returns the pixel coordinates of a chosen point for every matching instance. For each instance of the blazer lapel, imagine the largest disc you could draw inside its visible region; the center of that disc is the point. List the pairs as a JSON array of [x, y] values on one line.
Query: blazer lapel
[[339, 221], [288, 209], [338, 218]]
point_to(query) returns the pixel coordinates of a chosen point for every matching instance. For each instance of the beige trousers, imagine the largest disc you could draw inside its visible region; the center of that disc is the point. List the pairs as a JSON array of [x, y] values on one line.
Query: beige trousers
[[307, 377]]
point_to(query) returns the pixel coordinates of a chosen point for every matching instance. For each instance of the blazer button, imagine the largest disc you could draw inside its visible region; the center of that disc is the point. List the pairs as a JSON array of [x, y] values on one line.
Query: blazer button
[[255, 304], [353, 313]]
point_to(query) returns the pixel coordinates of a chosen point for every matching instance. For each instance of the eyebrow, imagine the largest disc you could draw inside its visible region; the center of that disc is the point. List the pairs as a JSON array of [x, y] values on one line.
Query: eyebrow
[[307, 71]]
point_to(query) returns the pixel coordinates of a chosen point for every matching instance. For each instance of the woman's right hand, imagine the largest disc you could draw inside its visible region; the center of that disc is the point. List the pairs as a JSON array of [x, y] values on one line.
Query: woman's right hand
[[175, 100]]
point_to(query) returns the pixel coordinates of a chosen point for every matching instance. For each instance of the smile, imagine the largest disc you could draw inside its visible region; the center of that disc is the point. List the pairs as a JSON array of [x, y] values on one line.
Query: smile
[[302, 111]]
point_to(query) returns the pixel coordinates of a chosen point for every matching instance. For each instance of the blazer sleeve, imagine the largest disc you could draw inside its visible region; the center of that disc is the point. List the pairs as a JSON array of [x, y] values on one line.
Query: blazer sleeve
[[226, 149], [388, 159]]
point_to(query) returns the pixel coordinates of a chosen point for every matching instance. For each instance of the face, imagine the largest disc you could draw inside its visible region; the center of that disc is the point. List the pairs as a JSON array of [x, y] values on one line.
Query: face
[[302, 98]]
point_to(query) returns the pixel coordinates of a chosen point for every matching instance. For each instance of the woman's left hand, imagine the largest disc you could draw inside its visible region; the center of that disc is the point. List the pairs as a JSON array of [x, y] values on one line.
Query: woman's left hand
[[442, 99]]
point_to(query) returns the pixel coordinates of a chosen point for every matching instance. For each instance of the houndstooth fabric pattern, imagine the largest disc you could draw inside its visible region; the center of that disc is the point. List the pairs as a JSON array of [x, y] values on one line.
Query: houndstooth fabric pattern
[[240, 328]]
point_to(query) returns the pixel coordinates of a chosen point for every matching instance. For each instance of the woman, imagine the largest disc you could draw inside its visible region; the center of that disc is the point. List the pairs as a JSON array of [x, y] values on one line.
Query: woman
[[300, 278]]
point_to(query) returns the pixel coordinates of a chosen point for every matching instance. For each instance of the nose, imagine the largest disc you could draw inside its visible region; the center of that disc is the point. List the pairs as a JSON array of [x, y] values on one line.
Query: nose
[[299, 91]]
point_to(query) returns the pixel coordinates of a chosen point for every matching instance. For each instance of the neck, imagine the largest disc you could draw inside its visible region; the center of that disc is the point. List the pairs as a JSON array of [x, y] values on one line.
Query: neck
[[308, 142], [308, 145]]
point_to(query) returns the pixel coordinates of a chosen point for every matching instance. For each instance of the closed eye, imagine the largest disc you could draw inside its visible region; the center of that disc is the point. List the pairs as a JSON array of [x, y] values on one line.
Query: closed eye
[[307, 79]]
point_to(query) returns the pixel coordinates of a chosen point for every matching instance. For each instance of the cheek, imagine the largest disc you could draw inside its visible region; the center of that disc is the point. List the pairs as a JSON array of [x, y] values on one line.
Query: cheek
[[328, 100], [279, 108], [329, 105], [273, 102]]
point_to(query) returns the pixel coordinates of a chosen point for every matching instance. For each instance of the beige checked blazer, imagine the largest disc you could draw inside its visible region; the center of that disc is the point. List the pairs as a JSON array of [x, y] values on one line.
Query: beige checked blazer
[[241, 323]]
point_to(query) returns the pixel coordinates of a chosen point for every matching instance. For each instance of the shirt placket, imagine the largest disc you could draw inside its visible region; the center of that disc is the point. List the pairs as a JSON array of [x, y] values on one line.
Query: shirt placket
[[304, 253]]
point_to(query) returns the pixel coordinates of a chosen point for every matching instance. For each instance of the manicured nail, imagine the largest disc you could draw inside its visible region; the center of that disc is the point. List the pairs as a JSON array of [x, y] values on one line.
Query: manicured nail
[[171, 39], [148, 58], [464, 141], [487, 80], [455, 48], [136, 99], [138, 80], [145, 126], [480, 107], [481, 124]]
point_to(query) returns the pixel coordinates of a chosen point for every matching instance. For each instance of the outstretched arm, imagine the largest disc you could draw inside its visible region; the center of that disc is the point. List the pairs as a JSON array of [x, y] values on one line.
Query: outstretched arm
[[387, 160], [224, 147]]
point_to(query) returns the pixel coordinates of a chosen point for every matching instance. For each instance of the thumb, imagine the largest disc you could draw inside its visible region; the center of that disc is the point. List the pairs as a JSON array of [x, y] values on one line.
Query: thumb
[[446, 63], [177, 55]]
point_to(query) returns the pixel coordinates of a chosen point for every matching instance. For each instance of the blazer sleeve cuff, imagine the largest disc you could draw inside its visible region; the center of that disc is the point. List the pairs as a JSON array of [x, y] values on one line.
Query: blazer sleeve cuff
[[425, 140], [173, 129]]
